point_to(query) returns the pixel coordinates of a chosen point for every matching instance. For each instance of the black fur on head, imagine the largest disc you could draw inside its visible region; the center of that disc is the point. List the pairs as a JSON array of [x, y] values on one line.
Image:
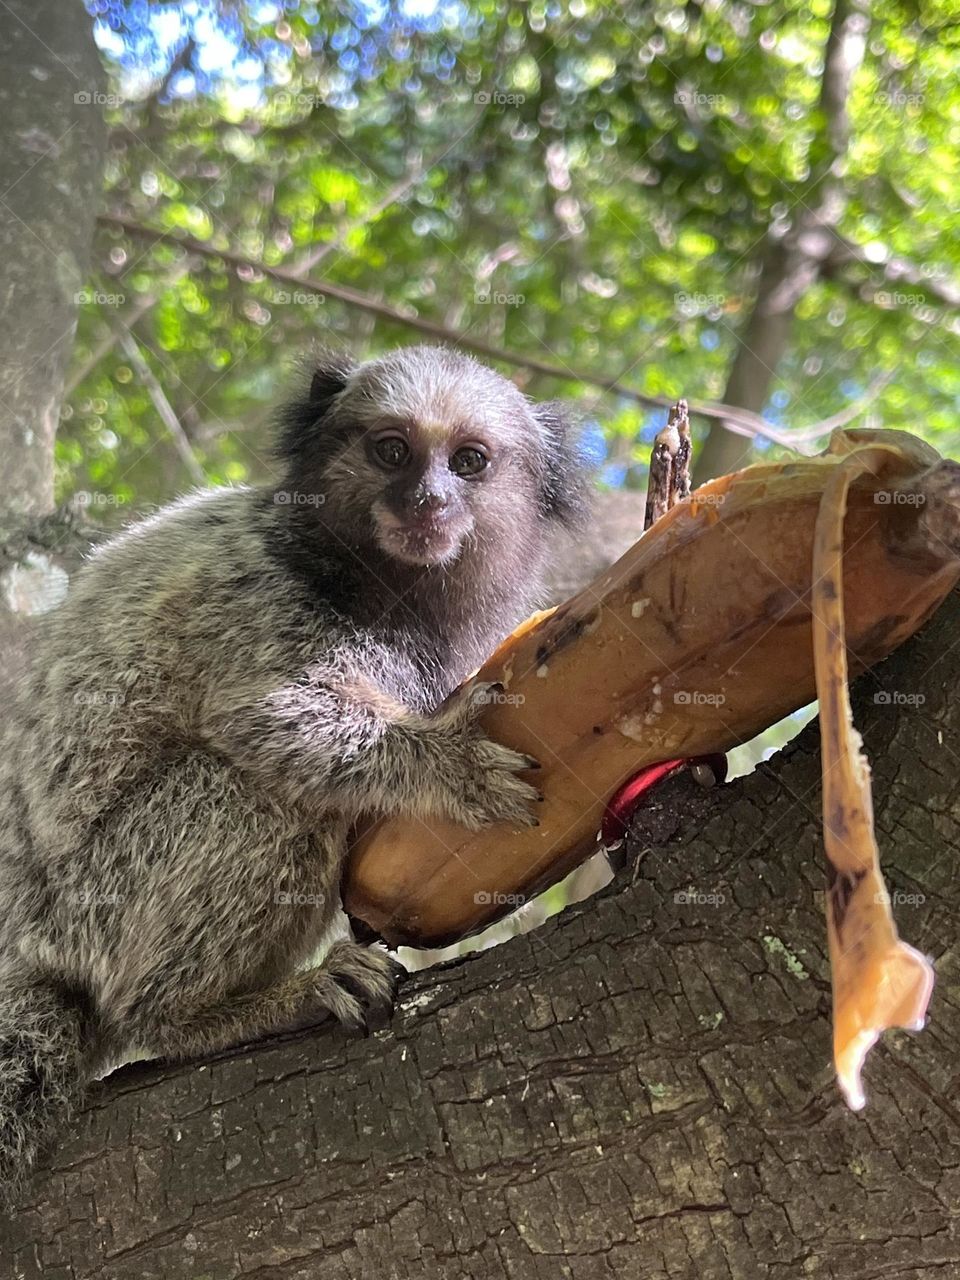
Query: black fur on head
[[303, 434]]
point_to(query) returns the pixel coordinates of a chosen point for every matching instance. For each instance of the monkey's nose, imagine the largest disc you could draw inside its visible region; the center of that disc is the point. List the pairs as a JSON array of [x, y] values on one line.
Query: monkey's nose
[[428, 502]]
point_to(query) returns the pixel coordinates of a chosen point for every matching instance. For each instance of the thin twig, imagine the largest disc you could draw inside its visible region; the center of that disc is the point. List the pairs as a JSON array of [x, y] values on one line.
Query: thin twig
[[669, 479], [895, 271], [162, 405], [801, 435]]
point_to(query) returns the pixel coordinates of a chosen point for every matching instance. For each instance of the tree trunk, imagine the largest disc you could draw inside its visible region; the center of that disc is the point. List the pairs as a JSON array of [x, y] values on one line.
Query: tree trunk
[[641, 1088], [52, 144], [53, 141], [790, 261]]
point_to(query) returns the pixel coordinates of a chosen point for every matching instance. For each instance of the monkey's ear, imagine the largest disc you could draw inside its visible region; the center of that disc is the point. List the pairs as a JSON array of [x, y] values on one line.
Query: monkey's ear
[[330, 374], [564, 469], [303, 436]]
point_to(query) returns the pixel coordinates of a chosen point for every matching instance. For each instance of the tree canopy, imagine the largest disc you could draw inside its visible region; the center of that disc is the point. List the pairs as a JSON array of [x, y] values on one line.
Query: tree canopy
[[598, 189]]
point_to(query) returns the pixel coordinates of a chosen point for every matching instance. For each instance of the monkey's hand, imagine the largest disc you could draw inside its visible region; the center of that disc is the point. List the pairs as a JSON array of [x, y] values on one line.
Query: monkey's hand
[[478, 778]]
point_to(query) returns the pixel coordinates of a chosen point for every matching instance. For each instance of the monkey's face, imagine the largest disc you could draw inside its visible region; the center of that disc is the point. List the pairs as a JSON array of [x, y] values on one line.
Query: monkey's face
[[424, 491], [429, 477], [437, 457], [431, 457]]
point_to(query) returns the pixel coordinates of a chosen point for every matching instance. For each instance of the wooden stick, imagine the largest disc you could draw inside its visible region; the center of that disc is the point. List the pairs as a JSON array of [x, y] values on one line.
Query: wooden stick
[[670, 459]]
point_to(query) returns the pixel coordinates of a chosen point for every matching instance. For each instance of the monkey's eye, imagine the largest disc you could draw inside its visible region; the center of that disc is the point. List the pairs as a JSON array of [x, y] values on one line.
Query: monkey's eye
[[392, 451], [468, 461]]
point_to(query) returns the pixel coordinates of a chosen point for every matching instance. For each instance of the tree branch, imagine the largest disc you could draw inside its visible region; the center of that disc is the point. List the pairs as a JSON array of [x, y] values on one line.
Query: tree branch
[[129, 321], [741, 420], [895, 271]]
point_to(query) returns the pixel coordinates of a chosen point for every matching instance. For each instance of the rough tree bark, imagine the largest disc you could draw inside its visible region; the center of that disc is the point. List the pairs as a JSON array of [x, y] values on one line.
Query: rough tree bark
[[641, 1088], [52, 144], [52, 140]]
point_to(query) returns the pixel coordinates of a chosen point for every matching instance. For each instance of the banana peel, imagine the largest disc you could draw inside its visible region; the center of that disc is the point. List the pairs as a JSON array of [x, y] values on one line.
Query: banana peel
[[878, 981], [739, 605]]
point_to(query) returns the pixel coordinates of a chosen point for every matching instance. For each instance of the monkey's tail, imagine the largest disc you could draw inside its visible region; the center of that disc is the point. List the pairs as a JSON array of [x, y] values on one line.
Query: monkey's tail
[[43, 1067]]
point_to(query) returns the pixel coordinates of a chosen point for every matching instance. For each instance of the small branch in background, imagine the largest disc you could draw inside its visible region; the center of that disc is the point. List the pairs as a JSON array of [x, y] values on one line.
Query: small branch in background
[[162, 405], [669, 480], [748, 423], [894, 271]]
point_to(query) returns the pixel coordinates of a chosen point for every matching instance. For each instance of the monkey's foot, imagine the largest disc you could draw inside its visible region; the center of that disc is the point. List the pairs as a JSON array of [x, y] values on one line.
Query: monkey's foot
[[355, 984]]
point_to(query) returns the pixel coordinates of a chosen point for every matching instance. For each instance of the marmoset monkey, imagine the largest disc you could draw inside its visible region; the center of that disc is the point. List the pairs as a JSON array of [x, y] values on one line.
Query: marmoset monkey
[[229, 685]]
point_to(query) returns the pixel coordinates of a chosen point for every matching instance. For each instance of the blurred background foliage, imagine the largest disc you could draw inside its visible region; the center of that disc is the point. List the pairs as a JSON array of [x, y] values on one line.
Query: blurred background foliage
[[597, 188]]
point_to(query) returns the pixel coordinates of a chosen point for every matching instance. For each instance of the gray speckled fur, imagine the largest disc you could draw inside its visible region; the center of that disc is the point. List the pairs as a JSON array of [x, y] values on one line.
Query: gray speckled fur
[[230, 683]]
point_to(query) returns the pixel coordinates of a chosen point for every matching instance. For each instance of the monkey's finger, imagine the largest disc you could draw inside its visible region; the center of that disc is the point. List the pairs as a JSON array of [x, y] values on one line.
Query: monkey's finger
[[517, 798], [494, 755], [519, 815]]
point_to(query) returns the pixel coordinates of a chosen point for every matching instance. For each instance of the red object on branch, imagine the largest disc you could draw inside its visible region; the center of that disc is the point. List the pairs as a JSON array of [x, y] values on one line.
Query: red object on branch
[[624, 803]]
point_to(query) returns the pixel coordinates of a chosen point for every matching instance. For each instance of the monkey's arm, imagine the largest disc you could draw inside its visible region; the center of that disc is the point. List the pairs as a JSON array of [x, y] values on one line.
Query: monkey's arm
[[334, 739]]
